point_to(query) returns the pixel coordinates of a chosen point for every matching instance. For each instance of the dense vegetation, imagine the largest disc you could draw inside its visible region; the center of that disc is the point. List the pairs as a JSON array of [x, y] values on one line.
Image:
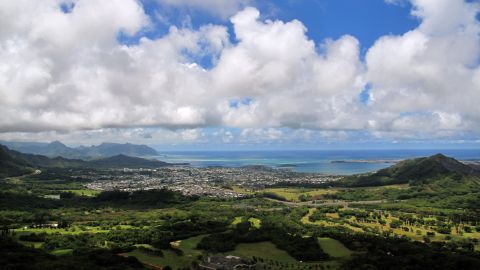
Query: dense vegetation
[[431, 222], [10, 166], [15, 256], [299, 247]]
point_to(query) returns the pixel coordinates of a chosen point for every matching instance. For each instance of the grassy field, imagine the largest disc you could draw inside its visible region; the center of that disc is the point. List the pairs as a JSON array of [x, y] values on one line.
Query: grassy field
[[31, 244], [237, 220], [13, 181], [266, 250], [71, 230], [293, 194], [257, 223], [381, 188], [269, 252], [414, 232], [243, 190], [61, 252], [83, 192], [170, 258], [305, 220], [334, 248]]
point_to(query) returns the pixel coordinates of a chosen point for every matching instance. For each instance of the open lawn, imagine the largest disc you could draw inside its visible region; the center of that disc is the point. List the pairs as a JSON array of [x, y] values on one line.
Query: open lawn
[[257, 223], [237, 220], [170, 258], [61, 252], [265, 250], [293, 194], [83, 192], [31, 244], [243, 190], [268, 252], [14, 181], [334, 248], [71, 230], [413, 231]]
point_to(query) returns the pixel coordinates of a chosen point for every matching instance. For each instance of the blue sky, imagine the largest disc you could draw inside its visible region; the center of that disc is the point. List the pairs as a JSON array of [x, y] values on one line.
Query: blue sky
[[325, 19], [242, 74]]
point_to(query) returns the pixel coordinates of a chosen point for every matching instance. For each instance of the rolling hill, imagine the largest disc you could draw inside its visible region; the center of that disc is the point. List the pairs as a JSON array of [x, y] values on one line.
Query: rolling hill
[[58, 149], [413, 171], [10, 166]]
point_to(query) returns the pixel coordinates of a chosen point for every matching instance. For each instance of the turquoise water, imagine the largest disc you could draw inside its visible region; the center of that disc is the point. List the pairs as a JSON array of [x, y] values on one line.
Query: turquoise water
[[310, 161]]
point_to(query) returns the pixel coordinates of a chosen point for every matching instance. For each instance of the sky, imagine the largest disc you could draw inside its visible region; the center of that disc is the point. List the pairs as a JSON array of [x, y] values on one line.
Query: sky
[[242, 74]]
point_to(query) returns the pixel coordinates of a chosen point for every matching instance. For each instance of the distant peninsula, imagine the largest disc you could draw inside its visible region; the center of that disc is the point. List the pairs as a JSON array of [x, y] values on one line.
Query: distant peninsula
[[288, 165], [366, 161]]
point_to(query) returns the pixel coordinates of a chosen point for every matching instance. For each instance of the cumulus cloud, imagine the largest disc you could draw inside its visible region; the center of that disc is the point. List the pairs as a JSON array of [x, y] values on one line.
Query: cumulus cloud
[[427, 78], [287, 81], [65, 70]]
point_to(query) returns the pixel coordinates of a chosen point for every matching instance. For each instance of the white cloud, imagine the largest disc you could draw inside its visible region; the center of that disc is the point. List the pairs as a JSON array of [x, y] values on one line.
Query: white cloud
[[290, 84], [427, 78], [68, 72]]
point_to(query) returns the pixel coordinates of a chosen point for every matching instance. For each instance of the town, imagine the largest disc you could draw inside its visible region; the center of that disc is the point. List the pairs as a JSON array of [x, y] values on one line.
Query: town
[[210, 181]]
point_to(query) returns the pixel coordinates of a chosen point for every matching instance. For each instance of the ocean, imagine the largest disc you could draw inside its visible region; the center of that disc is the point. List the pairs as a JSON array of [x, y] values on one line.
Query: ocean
[[337, 162]]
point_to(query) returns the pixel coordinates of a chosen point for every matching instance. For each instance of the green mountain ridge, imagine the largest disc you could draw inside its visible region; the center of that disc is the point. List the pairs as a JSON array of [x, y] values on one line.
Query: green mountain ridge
[[14, 163], [414, 171], [10, 166], [58, 149]]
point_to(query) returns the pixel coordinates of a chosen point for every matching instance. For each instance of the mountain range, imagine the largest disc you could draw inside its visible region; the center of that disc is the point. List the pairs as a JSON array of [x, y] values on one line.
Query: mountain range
[[14, 163], [58, 149]]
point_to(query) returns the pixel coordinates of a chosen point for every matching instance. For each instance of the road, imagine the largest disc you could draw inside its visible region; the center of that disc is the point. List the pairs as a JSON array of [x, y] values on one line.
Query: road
[[327, 203]]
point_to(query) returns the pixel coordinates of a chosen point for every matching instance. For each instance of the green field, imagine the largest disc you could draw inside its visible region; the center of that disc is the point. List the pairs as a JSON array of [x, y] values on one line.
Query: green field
[[269, 252], [266, 250], [257, 223], [32, 244], [61, 252], [170, 258], [334, 248], [83, 192], [71, 230], [237, 220], [293, 194]]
